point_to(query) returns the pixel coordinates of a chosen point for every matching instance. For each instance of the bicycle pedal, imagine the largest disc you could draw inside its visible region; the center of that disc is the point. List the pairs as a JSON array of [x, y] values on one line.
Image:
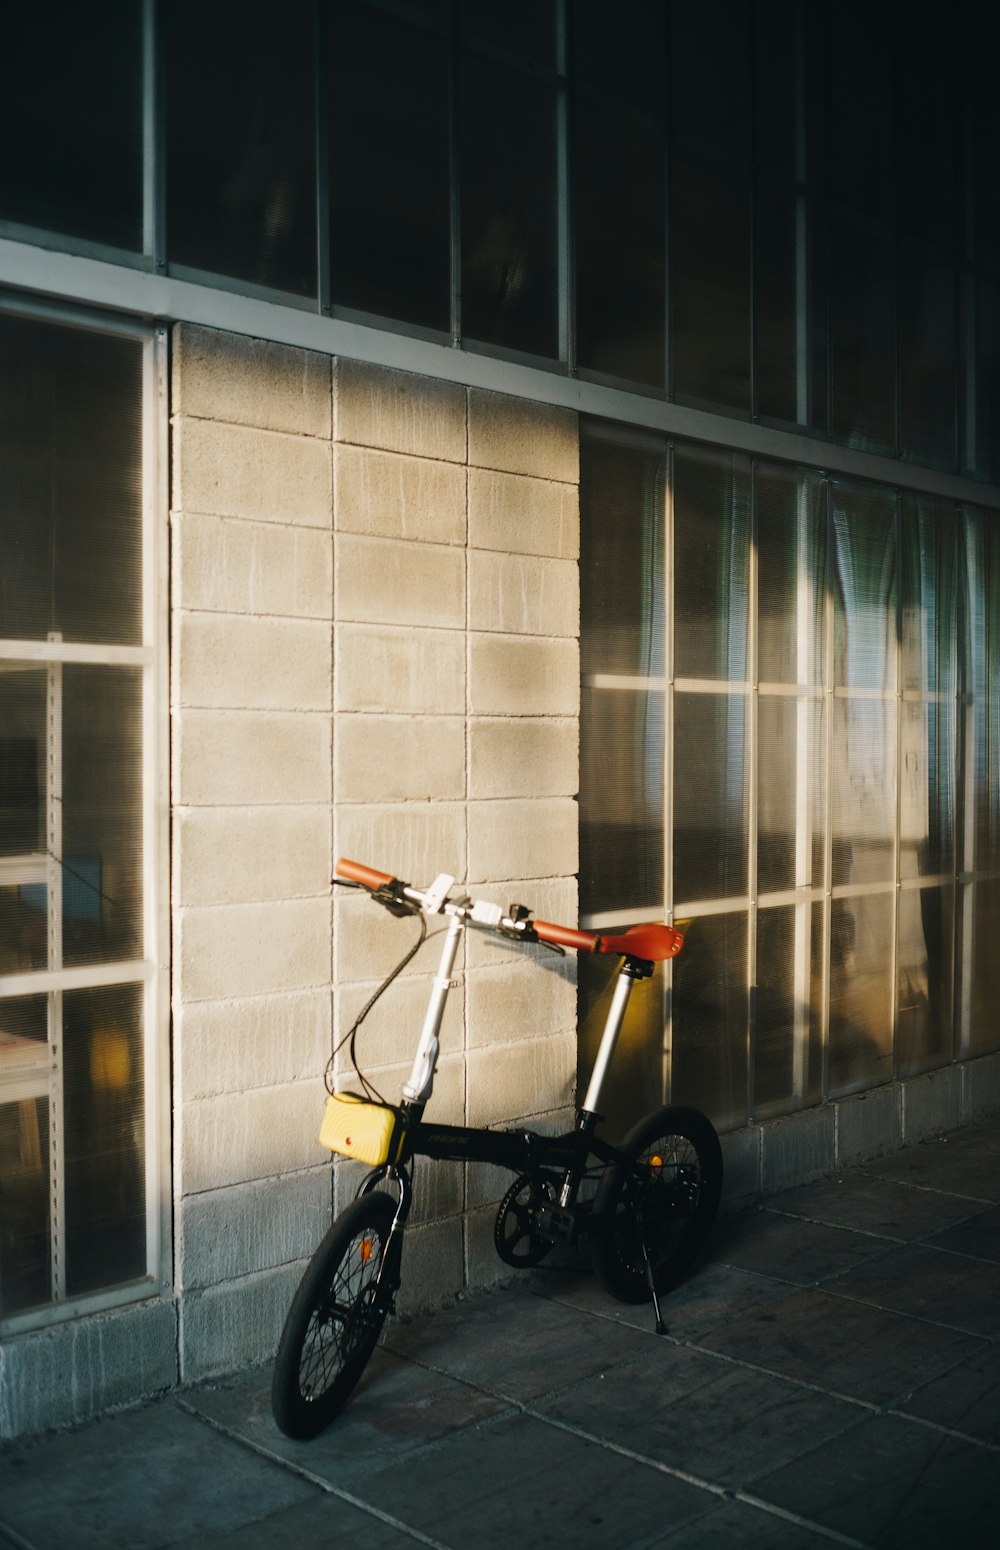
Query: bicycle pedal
[[556, 1224]]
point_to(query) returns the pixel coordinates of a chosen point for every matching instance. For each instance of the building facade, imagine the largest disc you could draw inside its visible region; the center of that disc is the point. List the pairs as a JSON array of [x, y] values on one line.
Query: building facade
[[554, 447]]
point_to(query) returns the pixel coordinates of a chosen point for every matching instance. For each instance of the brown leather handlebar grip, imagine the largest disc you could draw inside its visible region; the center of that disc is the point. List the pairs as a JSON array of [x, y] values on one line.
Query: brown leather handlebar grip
[[363, 874], [565, 936]]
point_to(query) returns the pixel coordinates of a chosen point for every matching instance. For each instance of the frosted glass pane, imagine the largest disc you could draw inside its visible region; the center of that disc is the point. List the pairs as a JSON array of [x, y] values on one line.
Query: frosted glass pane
[[788, 1052], [925, 965], [927, 789], [25, 1275], [621, 800], [22, 760], [710, 796], [929, 583], [981, 931], [791, 784], [791, 583], [864, 587], [709, 1062], [711, 564], [980, 678], [105, 1197], [928, 350], [861, 993], [635, 1082], [621, 563], [863, 774]]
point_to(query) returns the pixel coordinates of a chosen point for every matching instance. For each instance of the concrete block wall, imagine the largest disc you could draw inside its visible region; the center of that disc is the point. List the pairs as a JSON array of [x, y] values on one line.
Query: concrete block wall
[[375, 615]]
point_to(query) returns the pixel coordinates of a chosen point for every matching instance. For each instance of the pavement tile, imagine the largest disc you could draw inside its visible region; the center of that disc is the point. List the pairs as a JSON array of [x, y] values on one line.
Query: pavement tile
[[396, 1408], [885, 1207], [963, 1163], [739, 1526], [690, 1411], [848, 1347], [967, 1399], [518, 1345], [325, 1523], [979, 1236], [143, 1479], [789, 1248], [520, 1482], [895, 1485], [930, 1283], [713, 1294]]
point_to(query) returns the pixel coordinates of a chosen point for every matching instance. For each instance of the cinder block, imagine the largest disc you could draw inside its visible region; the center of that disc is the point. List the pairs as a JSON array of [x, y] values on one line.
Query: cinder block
[[514, 1002], [523, 756], [70, 1372], [512, 675], [369, 942], [520, 436], [521, 515], [438, 1192], [868, 1125], [228, 758], [232, 1046], [221, 565], [226, 662], [390, 1032], [226, 855], [741, 1165], [414, 841], [237, 1324], [238, 1137], [263, 476], [524, 594], [228, 1233], [513, 1082], [394, 670], [980, 1088], [251, 949], [932, 1104], [433, 1266], [484, 1267], [399, 412], [798, 1148], [388, 581], [548, 898], [390, 496], [222, 376], [399, 758], [518, 838]]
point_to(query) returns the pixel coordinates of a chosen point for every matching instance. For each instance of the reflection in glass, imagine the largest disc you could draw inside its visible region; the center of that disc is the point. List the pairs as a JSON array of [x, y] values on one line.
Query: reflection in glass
[[709, 1019], [621, 562], [788, 1052], [929, 582], [711, 564], [635, 1082], [861, 992], [924, 968], [621, 800], [710, 796], [863, 776], [104, 1138], [70, 472], [25, 1276], [791, 575], [102, 814], [864, 585], [981, 931], [23, 760], [927, 789], [791, 786]]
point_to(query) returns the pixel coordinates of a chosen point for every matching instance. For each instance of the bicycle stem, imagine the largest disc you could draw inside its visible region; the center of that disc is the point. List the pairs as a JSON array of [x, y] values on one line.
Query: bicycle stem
[[420, 1083]]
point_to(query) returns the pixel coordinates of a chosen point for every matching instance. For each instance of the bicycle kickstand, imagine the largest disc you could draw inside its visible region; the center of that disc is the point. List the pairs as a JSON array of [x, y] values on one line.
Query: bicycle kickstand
[[661, 1328]]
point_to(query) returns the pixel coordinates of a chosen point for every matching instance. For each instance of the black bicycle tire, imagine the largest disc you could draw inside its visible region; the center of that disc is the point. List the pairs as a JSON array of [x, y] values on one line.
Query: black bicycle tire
[[301, 1414], [614, 1248]]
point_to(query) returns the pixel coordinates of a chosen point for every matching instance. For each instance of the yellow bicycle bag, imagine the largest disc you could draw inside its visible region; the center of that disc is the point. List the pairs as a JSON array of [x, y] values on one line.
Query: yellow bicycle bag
[[356, 1127]]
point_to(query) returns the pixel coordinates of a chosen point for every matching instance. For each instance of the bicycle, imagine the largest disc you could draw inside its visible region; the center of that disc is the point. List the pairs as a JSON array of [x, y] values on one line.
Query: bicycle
[[656, 1192]]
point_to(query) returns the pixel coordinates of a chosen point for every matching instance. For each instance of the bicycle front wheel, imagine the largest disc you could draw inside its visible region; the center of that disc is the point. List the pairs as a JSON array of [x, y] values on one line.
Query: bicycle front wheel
[[335, 1319], [653, 1210]]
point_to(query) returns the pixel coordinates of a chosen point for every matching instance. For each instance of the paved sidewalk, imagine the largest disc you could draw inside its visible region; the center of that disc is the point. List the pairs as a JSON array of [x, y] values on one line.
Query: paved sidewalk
[[831, 1376]]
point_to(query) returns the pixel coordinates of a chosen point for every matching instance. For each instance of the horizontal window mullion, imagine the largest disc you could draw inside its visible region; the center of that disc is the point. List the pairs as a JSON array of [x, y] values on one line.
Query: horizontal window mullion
[[86, 977], [72, 651], [622, 681]]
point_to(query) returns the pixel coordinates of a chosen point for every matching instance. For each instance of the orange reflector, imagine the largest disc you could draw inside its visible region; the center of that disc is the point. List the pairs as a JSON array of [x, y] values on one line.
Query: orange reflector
[[366, 1249], [656, 1162]]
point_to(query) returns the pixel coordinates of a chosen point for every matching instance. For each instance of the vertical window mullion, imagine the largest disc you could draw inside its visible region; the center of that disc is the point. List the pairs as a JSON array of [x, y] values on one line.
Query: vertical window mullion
[[668, 756], [753, 786]]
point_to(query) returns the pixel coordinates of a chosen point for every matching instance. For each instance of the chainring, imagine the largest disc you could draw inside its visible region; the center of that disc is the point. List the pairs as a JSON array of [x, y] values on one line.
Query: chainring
[[517, 1234]]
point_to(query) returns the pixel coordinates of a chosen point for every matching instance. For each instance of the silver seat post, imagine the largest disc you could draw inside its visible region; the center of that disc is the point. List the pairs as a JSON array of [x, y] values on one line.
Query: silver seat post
[[609, 1038], [420, 1083]]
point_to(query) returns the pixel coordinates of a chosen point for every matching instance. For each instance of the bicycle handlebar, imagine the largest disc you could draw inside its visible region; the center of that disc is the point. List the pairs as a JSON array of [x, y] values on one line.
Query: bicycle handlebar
[[654, 942]]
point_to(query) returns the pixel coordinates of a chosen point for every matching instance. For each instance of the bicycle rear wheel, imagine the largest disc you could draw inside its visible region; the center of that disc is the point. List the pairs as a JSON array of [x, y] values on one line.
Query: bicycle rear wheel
[[335, 1318], [658, 1204]]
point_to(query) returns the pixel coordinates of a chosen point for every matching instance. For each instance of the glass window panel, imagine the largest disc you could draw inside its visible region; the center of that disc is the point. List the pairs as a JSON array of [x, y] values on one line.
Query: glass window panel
[[23, 762], [710, 284], [776, 27], [25, 1263], [620, 244], [861, 992], [925, 989], [509, 200], [71, 119], [104, 1137], [864, 586], [791, 785], [711, 87], [241, 160], [710, 796], [988, 379], [927, 790], [70, 483], [102, 814], [711, 564], [621, 562], [776, 300], [621, 800], [620, 53], [635, 1082], [791, 575], [929, 124], [863, 333], [927, 355], [863, 774], [788, 1048], [980, 734], [709, 1019], [526, 28], [861, 103], [390, 240], [981, 930], [929, 583]]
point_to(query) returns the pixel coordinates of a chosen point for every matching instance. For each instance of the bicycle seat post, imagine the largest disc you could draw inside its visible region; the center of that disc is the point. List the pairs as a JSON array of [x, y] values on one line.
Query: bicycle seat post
[[631, 970]]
